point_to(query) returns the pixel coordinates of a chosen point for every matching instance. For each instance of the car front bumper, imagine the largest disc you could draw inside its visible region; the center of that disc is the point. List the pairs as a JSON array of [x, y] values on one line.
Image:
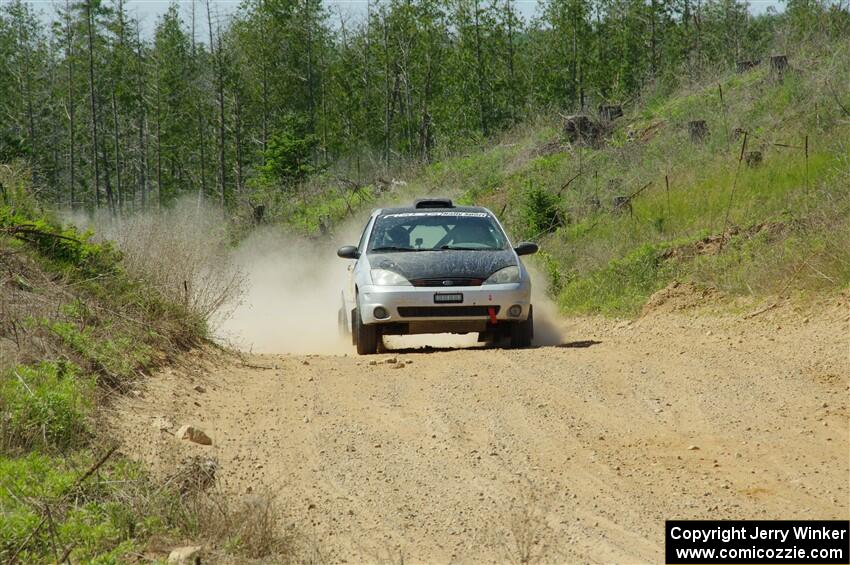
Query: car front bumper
[[417, 304]]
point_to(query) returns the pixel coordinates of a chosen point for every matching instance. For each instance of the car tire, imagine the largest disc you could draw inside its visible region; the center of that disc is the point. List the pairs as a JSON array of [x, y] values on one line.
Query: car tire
[[523, 332], [365, 335]]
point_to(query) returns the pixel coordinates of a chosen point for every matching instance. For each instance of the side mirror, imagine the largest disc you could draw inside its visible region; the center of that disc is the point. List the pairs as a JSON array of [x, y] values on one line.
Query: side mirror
[[348, 252], [526, 248]]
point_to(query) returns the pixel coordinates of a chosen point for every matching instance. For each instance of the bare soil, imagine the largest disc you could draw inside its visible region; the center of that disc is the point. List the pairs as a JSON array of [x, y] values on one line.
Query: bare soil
[[575, 452]]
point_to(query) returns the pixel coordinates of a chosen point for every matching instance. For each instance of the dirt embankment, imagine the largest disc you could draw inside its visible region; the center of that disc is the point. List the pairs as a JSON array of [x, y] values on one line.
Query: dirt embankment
[[568, 453]]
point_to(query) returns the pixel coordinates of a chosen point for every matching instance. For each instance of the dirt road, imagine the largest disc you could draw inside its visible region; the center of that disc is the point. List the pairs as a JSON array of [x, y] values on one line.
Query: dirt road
[[568, 453]]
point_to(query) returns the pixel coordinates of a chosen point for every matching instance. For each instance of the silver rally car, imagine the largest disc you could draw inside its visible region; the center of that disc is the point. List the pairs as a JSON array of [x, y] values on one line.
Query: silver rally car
[[436, 268]]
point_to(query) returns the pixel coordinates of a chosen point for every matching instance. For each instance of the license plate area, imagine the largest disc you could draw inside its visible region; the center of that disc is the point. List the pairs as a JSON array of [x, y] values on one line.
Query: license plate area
[[448, 297]]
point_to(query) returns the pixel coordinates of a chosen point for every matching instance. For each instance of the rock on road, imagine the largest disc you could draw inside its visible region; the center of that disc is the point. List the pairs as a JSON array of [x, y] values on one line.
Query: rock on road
[[568, 453]]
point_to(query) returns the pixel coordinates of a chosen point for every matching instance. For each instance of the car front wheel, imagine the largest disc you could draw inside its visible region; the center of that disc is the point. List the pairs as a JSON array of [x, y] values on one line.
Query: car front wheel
[[523, 332], [365, 335]]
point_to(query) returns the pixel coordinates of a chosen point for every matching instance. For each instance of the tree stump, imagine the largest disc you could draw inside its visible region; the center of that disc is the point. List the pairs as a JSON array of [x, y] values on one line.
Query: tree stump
[[753, 158], [324, 225], [581, 129], [744, 66], [622, 204], [259, 213], [698, 130], [779, 64], [610, 112]]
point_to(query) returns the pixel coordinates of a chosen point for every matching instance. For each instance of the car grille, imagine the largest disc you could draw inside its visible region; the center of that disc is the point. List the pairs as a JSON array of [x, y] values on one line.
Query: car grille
[[453, 281], [445, 311]]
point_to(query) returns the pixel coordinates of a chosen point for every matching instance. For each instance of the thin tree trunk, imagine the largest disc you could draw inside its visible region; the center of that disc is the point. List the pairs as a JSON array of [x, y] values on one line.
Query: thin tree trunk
[[107, 179], [25, 86], [367, 75], [310, 93], [90, 20], [653, 41], [483, 111], [221, 170], [238, 141], [387, 114], [72, 142], [265, 134], [158, 136], [511, 74], [574, 64], [425, 123], [117, 151], [202, 189], [143, 152]]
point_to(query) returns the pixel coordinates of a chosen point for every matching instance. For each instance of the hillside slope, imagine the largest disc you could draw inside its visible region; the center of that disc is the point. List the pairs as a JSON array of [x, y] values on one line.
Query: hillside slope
[[78, 330], [757, 206]]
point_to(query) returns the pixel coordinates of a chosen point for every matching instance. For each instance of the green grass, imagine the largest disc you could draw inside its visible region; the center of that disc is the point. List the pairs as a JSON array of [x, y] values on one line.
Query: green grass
[[115, 358], [96, 518], [44, 406], [621, 287]]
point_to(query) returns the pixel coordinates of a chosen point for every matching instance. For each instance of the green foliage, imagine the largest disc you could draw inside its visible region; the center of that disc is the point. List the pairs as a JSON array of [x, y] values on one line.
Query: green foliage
[[102, 525], [66, 247], [44, 407], [540, 213], [281, 90], [289, 157]]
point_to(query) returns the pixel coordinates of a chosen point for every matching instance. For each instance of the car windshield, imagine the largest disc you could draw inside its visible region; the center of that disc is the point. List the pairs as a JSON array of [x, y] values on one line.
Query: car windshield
[[436, 231]]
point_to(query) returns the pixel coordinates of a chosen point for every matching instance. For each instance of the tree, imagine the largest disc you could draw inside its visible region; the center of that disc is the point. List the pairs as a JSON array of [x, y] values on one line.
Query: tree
[[288, 157]]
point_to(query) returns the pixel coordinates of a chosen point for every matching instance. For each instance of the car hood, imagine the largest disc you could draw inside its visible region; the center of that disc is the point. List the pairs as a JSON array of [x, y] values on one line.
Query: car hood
[[445, 263]]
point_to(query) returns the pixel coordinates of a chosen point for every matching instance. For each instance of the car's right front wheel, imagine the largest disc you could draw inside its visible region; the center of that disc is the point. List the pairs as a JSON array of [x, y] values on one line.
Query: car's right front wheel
[[523, 332], [365, 335]]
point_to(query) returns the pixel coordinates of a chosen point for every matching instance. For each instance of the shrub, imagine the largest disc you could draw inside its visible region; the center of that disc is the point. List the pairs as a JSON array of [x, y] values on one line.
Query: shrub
[[68, 248], [540, 212]]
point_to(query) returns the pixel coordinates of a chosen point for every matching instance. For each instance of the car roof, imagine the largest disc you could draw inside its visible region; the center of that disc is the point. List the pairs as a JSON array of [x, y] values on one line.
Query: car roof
[[411, 209]]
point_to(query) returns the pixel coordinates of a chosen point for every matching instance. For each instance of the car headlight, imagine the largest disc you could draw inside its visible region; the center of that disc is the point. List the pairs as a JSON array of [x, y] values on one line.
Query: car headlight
[[504, 276], [383, 277]]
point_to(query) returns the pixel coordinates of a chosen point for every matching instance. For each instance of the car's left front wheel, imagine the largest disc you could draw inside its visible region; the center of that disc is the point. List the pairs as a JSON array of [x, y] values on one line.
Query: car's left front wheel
[[365, 335], [521, 333]]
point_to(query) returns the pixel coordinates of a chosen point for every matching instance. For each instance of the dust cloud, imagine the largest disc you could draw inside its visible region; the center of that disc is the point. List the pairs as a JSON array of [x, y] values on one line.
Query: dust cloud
[[274, 292], [549, 326], [291, 296]]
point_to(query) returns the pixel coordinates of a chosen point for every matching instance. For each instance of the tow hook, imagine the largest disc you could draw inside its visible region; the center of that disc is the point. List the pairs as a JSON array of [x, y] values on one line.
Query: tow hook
[[492, 312]]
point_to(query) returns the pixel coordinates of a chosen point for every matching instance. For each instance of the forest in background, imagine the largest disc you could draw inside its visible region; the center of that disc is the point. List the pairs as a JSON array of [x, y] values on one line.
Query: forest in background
[[242, 110]]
